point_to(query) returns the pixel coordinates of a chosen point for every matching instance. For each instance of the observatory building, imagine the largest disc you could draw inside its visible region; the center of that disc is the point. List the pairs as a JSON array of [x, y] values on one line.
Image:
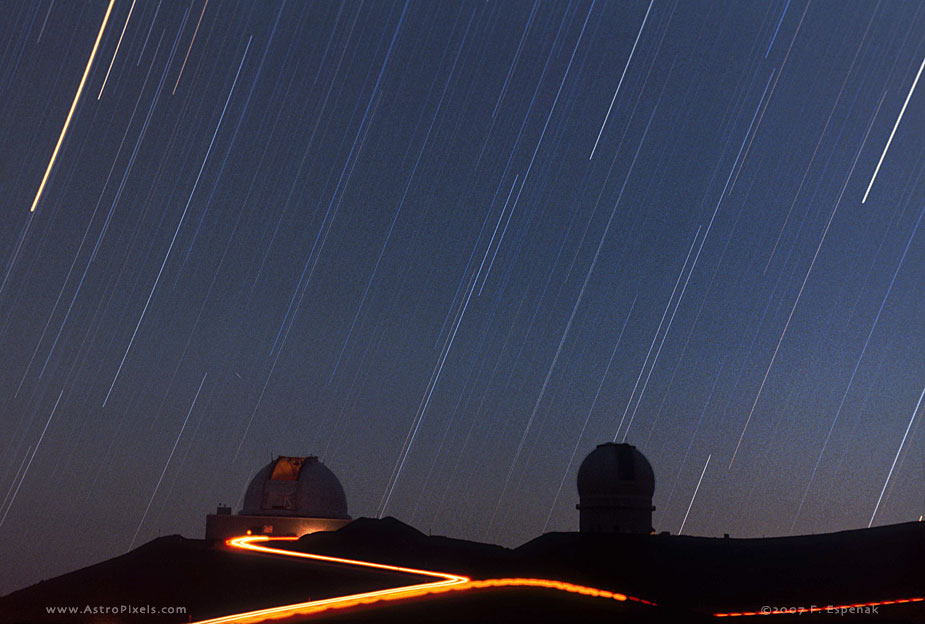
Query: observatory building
[[288, 496], [615, 487]]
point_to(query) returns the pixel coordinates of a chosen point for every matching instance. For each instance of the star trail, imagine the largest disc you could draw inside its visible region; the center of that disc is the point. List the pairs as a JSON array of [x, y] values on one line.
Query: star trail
[[449, 247]]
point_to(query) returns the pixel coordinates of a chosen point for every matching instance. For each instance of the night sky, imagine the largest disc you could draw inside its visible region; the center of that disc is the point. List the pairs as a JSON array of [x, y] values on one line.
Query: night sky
[[449, 247]]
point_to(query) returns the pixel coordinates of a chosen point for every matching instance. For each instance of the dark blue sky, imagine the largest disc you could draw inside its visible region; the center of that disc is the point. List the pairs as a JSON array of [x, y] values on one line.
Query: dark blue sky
[[450, 247]]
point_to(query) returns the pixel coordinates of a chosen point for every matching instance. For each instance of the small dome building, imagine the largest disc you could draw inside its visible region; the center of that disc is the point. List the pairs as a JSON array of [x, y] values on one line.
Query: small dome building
[[288, 496], [615, 488]]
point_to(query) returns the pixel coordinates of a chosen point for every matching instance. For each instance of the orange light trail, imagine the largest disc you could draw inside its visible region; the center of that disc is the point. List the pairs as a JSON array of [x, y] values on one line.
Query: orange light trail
[[828, 608], [70, 114], [446, 582]]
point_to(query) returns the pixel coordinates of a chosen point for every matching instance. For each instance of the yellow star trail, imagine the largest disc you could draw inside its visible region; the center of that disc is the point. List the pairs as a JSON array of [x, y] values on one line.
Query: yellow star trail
[[70, 114]]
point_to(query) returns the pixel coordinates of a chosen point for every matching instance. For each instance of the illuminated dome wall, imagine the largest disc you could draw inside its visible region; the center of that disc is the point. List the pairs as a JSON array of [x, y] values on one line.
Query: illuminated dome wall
[[295, 486]]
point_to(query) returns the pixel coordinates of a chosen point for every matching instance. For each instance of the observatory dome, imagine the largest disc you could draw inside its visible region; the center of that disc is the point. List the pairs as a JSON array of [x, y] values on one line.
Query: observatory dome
[[615, 488], [295, 486], [615, 470]]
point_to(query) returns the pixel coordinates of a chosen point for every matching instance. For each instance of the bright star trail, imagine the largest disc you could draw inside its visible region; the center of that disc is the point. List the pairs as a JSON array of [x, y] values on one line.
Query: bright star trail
[[118, 45], [898, 453], [70, 113], [622, 76], [449, 248], [694, 495], [190, 48], [893, 131]]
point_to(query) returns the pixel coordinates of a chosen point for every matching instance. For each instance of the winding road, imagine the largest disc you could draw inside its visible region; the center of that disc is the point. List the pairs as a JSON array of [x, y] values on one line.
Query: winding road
[[443, 582], [447, 582]]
